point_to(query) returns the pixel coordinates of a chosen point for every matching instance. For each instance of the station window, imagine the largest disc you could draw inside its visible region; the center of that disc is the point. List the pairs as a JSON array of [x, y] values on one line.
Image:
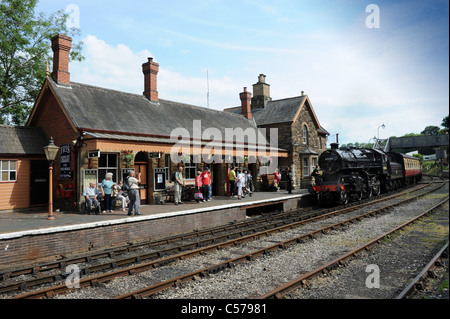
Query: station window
[[167, 167], [306, 167], [305, 134], [190, 169], [8, 171], [107, 163]]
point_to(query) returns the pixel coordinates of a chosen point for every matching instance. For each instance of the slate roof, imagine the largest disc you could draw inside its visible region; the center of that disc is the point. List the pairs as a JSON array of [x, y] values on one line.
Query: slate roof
[[276, 111], [22, 140], [96, 108]]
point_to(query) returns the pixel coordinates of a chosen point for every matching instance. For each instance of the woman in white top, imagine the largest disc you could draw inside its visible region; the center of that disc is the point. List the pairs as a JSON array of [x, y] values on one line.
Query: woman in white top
[[240, 182]]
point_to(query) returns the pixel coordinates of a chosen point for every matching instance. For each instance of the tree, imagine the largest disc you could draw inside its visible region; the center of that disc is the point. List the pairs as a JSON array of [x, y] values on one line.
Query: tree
[[24, 51], [446, 123], [430, 130]]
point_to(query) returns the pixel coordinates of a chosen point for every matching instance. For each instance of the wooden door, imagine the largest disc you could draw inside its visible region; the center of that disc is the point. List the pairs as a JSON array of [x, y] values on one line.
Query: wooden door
[[142, 168], [39, 182]]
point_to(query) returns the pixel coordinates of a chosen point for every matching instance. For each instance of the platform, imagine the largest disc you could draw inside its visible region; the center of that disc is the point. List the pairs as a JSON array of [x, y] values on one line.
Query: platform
[[27, 234]]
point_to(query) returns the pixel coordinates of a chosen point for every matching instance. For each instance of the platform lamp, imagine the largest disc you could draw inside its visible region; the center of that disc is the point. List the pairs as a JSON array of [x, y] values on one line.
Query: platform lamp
[[378, 130], [50, 153]]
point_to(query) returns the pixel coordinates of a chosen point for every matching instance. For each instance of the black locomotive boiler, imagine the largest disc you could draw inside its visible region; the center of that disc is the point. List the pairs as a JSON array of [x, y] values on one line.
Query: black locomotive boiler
[[356, 173]]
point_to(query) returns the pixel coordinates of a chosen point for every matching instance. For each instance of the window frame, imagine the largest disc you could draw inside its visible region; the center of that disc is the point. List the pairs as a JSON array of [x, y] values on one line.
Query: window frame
[[108, 169], [305, 134], [192, 167], [9, 170]]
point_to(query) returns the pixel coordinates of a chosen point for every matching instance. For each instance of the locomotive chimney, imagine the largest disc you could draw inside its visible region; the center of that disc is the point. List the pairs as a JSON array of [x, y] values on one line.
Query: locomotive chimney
[[334, 146]]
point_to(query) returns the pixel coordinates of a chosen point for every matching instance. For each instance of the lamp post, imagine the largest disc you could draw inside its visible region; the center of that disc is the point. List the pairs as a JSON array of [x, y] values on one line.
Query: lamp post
[[50, 153], [378, 130]]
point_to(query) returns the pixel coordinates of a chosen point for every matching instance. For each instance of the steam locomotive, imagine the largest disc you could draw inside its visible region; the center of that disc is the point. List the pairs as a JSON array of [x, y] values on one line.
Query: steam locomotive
[[357, 173]]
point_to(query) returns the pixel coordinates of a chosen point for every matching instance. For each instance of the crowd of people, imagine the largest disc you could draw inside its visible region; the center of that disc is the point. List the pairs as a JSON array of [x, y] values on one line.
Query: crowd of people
[[240, 182], [128, 194]]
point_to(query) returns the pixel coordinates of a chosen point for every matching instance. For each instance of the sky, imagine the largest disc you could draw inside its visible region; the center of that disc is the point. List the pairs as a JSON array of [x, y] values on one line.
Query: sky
[[361, 63]]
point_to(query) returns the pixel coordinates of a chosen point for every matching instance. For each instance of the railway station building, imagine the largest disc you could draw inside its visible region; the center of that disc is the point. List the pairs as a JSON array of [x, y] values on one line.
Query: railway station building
[[23, 167], [101, 130], [299, 130]]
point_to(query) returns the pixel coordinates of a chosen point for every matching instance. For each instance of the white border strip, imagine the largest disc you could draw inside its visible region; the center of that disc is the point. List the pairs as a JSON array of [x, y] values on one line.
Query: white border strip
[[44, 231]]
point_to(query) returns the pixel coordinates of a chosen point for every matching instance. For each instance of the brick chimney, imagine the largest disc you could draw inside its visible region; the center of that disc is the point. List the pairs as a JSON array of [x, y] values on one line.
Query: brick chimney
[[261, 92], [150, 70], [246, 109], [61, 45]]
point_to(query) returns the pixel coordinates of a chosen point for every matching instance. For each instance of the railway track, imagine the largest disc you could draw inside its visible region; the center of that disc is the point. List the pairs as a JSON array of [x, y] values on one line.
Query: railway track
[[302, 281], [428, 271], [144, 266]]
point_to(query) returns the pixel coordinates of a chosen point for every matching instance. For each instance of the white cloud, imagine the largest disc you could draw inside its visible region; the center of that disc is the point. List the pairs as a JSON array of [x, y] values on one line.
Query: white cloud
[[119, 68], [356, 81], [110, 67]]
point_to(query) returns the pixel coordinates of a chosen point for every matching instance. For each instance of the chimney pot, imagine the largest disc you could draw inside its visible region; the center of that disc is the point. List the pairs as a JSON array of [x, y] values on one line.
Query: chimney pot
[[61, 45], [246, 108], [150, 70]]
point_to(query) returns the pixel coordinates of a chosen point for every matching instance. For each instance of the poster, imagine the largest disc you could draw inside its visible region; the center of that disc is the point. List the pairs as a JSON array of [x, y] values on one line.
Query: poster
[[65, 171], [89, 175], [160, 179]]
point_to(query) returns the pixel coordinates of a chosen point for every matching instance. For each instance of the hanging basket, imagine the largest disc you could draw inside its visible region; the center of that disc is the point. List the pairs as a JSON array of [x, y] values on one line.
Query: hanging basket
[[127, 158]]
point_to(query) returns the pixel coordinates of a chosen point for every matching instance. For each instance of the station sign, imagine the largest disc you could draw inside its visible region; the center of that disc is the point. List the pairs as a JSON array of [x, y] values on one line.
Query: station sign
[[154, 155], [92, 154]]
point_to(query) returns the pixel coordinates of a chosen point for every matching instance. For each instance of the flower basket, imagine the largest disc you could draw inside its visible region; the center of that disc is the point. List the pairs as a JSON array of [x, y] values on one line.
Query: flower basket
[[127, 158]]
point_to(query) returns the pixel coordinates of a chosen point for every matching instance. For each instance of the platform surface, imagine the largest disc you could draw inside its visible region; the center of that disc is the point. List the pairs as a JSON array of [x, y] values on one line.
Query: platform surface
[[33, 221]]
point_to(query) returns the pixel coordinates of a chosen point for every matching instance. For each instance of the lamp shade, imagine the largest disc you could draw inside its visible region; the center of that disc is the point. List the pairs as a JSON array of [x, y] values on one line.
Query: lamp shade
[[51, 150]]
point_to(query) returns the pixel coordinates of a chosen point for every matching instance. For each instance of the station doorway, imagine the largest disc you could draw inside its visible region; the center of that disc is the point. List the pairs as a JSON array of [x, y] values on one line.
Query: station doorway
[[141, 166], [39, 182]]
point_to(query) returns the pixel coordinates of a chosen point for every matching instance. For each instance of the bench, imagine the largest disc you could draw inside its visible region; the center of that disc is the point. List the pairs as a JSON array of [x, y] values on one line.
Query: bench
[[268, 181], [186, 195]]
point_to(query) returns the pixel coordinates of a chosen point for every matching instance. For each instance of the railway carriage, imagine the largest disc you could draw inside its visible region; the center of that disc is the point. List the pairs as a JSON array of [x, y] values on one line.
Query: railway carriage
[[357, 173]]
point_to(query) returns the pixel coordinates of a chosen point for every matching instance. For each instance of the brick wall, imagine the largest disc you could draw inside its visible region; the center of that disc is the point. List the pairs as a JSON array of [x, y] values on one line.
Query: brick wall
[[34, 247], [51, 117]]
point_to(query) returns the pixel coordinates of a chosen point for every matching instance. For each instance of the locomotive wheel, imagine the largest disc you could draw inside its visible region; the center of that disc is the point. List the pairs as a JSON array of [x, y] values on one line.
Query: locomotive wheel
[[368, 193], [376, 190], [358, 196]]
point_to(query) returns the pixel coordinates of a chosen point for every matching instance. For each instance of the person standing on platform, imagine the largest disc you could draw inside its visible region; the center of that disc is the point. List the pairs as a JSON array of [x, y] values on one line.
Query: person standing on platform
[[178, 185], [106, 187], [289, 178], [206, 179], [199, 197], [232, 178], [317, 175], [133, 193], [240, 182]]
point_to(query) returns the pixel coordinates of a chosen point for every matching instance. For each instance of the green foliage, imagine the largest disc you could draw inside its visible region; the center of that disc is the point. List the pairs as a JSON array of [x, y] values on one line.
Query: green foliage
[[430, 130], [445, 123], [25, 48]]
